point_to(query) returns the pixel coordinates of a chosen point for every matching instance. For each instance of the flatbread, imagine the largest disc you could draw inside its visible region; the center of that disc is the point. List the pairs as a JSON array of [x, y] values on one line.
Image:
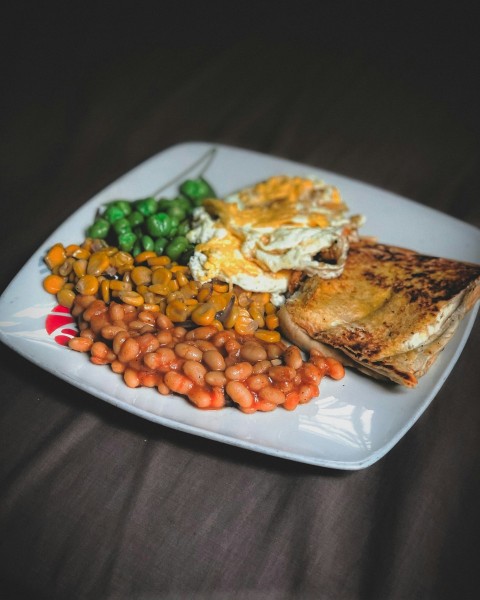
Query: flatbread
[[389, 314]]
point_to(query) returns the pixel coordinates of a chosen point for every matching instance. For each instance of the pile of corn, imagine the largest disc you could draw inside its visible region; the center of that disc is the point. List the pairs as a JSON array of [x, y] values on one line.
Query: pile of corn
[[158, 284]]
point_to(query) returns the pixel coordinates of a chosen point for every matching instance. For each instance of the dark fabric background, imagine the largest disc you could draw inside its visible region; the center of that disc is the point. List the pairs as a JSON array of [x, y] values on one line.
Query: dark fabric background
[[96, 503]]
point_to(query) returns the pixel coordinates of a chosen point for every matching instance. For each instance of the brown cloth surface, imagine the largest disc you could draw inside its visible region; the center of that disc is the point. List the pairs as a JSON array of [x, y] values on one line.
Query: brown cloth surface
[[97, 503]]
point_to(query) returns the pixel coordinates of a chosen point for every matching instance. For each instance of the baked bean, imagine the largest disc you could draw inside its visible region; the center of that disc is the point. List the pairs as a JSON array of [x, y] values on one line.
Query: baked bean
[[253, 352], [118, 367], [110, 331], [257, 381], [281, 373], [97, 322], [293, 357], [220, 338], [306, 392], [199, 396], [214, 360], [310, 373], [119, 340], [96, 308], [164, 322], [129, 350], [147, 328], [215, 378], [335, 368], [162, 359], [163, 388], [98, 361], [188, 351], [179, 332], [204, 345], [136, 325], [274, 351], [285, 386], [148, 379], [164, 338], [266, 406], [262, 366], [201, 333], [87, 333], [116, 312], [291, 401], [99, 350], [148, 343], [271, 394], [177, 382], [131, 378], [147, 317], [239, 393], [239, 371], [80, 344], [232, 347], [194, 371], [84, 300], [217, 398]]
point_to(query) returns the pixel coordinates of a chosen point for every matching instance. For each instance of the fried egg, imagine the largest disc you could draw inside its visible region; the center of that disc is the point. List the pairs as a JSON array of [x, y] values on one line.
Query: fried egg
[[257, 237]]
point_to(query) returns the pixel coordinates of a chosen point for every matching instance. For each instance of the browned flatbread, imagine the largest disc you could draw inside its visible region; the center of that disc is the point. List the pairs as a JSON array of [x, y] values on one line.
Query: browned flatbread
[[389, 314]]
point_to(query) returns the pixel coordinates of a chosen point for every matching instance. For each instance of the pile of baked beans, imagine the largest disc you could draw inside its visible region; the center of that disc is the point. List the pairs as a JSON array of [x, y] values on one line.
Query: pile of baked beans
[[212, 368]]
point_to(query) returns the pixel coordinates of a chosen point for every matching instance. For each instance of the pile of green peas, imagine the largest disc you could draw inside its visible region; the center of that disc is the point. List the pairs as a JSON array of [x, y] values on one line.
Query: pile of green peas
[[149, 224]]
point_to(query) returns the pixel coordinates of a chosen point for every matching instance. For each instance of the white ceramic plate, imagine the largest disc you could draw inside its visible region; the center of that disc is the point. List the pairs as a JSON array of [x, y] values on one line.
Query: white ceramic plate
[[353, 423]]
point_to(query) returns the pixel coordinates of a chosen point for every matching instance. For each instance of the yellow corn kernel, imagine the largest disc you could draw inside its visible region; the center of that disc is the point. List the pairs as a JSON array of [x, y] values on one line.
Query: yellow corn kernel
[[217, 324], [173, 285], [229, 322], [132, 298], [181, 278], [68, 286], [204, 314], [81, 254], [122, 261], [267, 336], [71, 248], [66, 297], [180, 269], [160, 289], [142, 289], [97, 263], [256, 312], [87, 285], [177, 311], [144, 256], [141, 275], [66, 267], [204, 294], [245, 325], [105, 290], [271, 321], [161, 276], [53, 283], [55, 256], [270, 308], [151, 307], [80, 267], [158, 261], [120, 286], [191, 301], [261, 298], [220, 286]]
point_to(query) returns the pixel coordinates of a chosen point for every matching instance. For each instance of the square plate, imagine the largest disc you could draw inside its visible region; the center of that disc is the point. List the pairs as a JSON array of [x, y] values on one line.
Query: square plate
[[353, 423]]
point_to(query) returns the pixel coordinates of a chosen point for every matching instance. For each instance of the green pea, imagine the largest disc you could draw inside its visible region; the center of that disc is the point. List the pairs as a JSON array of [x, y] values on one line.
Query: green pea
[[176, 247], [125, 206], [197, 189], [122, 226], [126, 241], [163, 205], [147, 206], [99, 229], [135, 218], [147, 242], [137, 248], [113, 213], [159, 245], [185, 203], [159, 225], [183, 228], [176, 211]]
